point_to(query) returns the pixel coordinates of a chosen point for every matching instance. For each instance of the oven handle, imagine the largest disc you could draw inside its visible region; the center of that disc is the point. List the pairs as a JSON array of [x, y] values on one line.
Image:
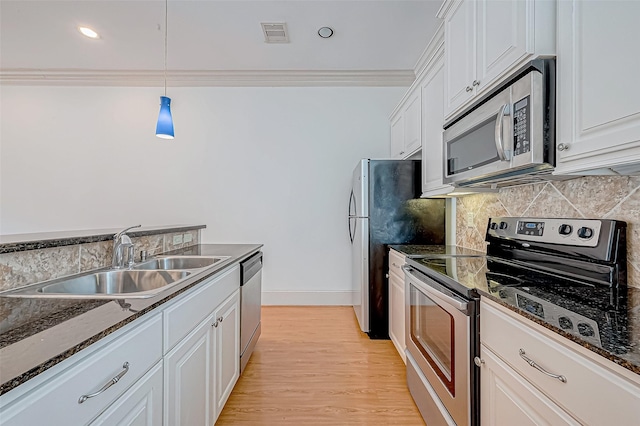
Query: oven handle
[[504, 110], [459, 305]]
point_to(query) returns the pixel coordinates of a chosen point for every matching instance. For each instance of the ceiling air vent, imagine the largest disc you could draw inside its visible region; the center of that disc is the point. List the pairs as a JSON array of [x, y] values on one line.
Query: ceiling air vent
[[275, 32]]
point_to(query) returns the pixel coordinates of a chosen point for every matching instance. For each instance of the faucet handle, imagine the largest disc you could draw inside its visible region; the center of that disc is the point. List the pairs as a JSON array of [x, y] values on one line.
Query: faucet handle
[[130, 259], [123, 232]]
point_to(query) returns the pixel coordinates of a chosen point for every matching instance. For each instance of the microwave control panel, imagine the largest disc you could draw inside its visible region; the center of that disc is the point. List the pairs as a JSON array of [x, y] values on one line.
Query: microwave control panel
[[521, 126]]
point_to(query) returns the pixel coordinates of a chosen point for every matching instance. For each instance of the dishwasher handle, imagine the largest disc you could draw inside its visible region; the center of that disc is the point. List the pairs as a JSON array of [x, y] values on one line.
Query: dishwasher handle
[[250, 267]]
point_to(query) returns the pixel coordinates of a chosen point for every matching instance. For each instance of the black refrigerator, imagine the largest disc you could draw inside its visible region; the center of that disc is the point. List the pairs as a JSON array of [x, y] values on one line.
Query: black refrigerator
[[384, 209]]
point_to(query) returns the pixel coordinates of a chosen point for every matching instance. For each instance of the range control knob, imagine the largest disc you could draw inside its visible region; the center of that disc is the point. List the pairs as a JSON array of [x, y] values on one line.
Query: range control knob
[[585, 232], [494, 225], [503, 225], [565, 229]]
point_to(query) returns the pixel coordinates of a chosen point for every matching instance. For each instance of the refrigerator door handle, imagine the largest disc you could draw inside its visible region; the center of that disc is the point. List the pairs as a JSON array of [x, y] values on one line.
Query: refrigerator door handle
[[351, 234]]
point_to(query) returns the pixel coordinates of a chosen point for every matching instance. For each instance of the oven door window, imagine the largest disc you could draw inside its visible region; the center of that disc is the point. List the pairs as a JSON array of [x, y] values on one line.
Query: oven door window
[[432, 331], [473, 149]]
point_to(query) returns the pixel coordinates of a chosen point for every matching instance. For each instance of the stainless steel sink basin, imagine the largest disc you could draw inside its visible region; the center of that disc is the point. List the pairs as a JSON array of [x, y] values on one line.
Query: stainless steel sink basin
[[140, 281], [179, 262], [114, 283]]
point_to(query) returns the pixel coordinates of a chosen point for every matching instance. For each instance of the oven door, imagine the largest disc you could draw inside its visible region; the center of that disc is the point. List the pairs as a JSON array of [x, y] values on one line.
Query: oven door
[[439, 340]]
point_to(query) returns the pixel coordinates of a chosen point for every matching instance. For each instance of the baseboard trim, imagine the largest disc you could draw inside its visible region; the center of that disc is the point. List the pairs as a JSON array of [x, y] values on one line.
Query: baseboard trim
[[325, 298]]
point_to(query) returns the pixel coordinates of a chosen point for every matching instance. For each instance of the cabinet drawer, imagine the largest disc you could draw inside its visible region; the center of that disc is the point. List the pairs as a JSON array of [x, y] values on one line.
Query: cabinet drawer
[[56, 401], [507, 334], [396, 260], [186, 313]]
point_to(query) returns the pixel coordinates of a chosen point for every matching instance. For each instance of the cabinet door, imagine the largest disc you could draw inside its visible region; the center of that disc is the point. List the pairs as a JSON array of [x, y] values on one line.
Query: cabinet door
[[411, 119], [139, 406], [501, 37], [459, 30], [508, 399], [397, 136], [598, 94], [432, 121], [188, 384], [396, 314], [227, 349]]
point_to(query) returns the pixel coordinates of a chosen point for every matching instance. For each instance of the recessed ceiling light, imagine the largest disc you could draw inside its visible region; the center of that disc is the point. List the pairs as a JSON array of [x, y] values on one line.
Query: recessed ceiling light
[[88, 32], [325, 32]]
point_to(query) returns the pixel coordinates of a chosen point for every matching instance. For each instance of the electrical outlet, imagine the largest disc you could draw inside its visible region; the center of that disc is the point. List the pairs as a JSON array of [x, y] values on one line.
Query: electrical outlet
[[470, 219], [188, 237], [177, 239]]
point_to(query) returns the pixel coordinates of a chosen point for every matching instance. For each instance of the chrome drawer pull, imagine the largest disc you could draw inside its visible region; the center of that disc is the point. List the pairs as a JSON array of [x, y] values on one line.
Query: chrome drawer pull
[[110, 383], [542, 370]]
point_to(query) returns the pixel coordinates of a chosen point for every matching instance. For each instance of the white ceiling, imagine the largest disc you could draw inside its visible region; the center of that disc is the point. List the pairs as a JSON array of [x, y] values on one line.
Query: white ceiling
[[210, 37]]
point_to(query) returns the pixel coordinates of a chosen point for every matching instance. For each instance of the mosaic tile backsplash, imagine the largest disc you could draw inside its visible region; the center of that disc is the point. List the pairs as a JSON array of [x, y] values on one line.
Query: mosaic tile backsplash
[[592, 197]]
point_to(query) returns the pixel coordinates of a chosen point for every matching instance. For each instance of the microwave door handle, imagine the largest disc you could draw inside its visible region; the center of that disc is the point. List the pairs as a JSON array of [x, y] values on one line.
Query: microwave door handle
[[504, 110]]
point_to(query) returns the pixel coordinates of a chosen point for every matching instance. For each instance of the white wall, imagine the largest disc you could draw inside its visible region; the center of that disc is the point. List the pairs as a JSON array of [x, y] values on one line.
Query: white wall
[[268, 165]]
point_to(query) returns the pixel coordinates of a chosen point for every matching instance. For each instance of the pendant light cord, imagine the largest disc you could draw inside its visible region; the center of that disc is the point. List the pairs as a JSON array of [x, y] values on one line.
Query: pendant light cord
[[166, 30]]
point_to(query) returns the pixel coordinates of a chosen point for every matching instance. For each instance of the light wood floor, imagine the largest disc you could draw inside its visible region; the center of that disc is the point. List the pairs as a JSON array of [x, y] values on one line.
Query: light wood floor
[[313, 366]]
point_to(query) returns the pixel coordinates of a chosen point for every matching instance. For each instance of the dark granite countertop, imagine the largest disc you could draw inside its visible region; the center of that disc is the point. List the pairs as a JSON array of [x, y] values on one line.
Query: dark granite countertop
[[597, 318], [22, 242], [611, 333], [43, 342], [416, 250]]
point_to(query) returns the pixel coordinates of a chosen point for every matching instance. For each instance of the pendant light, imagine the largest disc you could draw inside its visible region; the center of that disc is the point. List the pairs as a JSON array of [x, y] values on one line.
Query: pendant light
[[164, 128]]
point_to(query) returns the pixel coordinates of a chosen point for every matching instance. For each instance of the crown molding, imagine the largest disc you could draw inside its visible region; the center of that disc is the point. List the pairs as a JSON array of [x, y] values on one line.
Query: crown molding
[[209, 78]]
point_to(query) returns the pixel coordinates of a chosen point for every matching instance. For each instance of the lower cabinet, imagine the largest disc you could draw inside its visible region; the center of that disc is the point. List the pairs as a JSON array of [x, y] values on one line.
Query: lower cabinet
[[508, 399], [201, 371], [174, 366], [140, 406], [396, 302], [227, 349], [530, 375], [189, 379]]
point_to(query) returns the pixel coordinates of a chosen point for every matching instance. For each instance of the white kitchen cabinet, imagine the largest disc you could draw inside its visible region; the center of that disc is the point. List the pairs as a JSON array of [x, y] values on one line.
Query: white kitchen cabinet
[[397, 303], [515, 392], [432, 86], [486, 40], [405, 125], [508, 399], [139, 406], [202, 369], [189, 379], [227, 349], [598, 96], [128, 355]]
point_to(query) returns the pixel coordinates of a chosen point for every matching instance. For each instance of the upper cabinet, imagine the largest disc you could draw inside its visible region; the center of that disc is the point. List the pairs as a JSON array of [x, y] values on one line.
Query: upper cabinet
[[405, 125], [487, 39], [432, 90], [598, 105]]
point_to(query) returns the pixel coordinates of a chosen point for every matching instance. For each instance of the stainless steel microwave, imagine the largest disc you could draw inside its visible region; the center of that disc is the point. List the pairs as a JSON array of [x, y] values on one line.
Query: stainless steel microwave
[[508, 137]]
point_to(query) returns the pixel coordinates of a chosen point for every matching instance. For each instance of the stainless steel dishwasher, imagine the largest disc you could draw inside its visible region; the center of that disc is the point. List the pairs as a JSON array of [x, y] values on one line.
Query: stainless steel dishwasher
[[250, 304]]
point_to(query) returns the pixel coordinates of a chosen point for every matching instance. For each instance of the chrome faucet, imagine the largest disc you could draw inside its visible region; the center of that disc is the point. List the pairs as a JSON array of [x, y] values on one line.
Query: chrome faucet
[[121, 241]]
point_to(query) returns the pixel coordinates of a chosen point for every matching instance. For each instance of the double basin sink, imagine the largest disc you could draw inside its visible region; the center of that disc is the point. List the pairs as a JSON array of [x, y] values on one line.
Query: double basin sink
[[142, 280]]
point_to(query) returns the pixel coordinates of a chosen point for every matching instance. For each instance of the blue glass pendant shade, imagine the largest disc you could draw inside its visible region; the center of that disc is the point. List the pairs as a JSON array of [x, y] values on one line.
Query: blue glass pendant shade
[[164, 128]]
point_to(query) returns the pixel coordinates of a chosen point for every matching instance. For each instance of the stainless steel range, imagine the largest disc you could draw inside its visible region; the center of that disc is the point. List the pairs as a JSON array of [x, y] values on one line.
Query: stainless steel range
[[530, 262]]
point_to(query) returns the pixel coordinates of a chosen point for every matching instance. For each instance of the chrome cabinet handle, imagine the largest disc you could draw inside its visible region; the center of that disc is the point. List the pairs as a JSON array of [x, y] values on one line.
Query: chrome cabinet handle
[[401, 152], [221, 319], [475, 83], [504, 110], [478, 361], [542, 370], [469, 88], [107, 385], [563, 147], [215, 324]]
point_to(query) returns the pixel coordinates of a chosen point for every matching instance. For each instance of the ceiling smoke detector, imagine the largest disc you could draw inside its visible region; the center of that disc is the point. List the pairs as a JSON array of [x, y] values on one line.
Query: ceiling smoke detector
[[275, 32]]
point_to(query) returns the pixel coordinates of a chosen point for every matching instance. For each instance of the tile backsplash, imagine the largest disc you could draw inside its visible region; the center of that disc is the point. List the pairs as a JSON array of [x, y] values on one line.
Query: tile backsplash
[[593, 197]]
